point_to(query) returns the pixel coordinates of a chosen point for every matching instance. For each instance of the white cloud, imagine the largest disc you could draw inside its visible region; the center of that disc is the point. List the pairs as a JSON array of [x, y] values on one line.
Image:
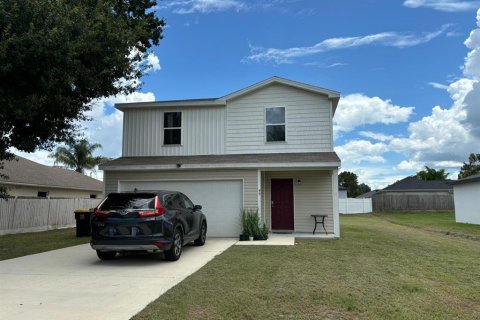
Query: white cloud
[[357, 151], [204, 6], [376, 136], [437, 85], [407, 165], [153, 61], [357, 109], [325, 66], [448, 135], [388, 39], [443, 5]]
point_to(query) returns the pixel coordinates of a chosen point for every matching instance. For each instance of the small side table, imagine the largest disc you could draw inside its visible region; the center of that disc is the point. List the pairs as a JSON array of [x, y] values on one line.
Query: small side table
[[322, 222]]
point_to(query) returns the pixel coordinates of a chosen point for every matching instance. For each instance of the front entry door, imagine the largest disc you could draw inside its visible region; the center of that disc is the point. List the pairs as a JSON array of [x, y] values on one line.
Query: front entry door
[[282, 204]]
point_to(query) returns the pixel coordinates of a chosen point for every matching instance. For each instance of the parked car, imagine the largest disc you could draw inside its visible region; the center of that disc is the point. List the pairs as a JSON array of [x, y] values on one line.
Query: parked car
[[159, 221]]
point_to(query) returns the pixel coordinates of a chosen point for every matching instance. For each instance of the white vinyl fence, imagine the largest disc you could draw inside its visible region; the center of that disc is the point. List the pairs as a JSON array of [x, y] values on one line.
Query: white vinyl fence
[[354, 206], [19, 215]]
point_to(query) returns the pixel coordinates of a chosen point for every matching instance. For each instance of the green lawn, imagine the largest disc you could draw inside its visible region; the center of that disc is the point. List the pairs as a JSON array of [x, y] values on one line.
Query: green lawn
[[22, 244], [442, 222], [377, 270]]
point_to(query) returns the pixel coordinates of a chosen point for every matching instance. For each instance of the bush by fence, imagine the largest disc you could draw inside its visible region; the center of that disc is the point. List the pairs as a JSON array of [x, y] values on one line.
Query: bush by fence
[[354, 206], [19, 215]]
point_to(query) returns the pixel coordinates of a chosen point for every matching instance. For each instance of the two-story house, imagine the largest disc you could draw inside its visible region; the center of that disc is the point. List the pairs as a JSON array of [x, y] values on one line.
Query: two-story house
[[268, 146]]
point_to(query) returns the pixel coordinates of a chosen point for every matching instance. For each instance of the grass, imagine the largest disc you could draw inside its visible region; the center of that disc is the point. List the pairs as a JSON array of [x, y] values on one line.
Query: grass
[[377, 270], [22, 244], [442, 222]]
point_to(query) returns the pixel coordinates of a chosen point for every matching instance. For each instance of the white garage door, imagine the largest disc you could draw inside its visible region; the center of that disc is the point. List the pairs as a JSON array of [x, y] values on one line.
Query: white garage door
[[221, 200]]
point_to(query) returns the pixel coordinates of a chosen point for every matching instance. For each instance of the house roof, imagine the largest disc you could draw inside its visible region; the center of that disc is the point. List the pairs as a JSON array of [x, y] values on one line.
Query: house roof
[[277, 160], [22, 171], [367, 195], [334, 96], [470, 179], [414, 184]]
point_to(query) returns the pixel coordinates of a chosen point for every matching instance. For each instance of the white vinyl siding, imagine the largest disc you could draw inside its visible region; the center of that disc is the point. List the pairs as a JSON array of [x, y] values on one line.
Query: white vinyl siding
[[308, 118], [466, 202], [202, 132], [312, 195], [249, 177]]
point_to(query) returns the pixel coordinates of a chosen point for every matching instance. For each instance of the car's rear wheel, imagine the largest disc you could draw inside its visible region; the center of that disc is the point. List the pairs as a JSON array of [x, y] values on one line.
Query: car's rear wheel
[[203, 235], [106, 255], [176, 250]]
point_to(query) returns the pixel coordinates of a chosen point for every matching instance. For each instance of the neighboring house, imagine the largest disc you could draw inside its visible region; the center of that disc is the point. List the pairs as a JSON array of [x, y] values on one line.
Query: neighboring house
[[412, 193], [268, 146], [367, 195], [342, 192], [30, 179], [466, 192]]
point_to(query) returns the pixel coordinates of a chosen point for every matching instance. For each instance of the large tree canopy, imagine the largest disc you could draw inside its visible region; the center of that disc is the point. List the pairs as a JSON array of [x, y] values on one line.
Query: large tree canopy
[[57, 56]]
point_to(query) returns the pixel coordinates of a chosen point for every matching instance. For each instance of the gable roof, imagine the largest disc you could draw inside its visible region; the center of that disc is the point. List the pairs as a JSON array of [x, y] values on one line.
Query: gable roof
[[470, 179], [25, 172], [334, 96], [413, 184]]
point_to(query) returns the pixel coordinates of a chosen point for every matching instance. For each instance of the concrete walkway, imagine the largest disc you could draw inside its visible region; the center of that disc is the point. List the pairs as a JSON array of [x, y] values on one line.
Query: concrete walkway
[[72, 283]]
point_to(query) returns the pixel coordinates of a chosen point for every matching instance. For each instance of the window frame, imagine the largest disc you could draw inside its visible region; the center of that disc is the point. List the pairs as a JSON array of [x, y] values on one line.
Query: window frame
[[172, 128], [275, 124]]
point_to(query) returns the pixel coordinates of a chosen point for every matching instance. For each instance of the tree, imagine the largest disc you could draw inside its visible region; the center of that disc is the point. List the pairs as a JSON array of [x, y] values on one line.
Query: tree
[[78, 155], [432, 174], [349, 180], [363, 188], [57, 56], [470, 168]]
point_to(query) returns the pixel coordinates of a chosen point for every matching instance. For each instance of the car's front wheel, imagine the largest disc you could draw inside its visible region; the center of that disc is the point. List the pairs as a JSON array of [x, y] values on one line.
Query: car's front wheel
[[106, 255], [176, 250], [203, 235]]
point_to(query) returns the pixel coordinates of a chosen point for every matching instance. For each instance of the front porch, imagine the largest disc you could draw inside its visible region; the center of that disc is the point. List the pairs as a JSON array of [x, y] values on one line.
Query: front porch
[[290, 197]]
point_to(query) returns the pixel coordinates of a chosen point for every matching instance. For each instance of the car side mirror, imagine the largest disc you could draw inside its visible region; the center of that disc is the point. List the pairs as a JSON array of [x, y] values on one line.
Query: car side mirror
[[197, 207]]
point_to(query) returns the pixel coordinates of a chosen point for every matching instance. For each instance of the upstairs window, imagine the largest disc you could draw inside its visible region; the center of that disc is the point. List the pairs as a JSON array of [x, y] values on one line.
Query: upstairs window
[[172, 128], [275, 124]]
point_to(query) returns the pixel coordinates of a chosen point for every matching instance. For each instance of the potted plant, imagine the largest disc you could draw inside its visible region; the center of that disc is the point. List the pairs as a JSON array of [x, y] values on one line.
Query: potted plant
[[245, 227]]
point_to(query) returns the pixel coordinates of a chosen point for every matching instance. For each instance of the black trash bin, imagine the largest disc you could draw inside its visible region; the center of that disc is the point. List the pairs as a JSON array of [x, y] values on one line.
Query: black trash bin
[[82, 218]]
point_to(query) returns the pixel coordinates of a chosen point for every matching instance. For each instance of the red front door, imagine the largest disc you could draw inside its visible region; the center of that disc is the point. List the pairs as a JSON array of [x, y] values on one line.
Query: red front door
[[282, 204]]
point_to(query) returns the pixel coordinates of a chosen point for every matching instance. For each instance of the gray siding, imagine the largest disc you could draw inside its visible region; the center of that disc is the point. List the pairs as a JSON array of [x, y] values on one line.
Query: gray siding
[[203, 131], [308, 117], [312, 196], [249, 177]]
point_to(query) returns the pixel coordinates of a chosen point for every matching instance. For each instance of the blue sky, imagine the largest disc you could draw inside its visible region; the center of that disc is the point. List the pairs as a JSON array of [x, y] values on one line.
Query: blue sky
[[407, 72]]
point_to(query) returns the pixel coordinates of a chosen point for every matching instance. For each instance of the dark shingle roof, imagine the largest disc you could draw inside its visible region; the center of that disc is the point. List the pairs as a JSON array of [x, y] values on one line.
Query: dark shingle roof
[[367, 195], [474, 178], [412, 183], [225, 159], [26, 172]]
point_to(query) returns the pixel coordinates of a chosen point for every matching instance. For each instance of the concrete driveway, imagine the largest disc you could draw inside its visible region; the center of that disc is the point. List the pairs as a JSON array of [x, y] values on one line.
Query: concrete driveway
[[72, 283]]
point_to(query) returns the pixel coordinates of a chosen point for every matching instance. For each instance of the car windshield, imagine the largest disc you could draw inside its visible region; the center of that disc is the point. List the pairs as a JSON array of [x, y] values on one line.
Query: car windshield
[[137, 201]]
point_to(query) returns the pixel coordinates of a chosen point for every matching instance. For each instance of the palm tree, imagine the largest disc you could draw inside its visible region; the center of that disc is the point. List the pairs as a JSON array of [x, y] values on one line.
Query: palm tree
[[432, 174], [78, 155]]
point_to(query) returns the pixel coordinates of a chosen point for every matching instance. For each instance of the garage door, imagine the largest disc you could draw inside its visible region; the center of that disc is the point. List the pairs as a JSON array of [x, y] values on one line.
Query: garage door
[[221, 200]]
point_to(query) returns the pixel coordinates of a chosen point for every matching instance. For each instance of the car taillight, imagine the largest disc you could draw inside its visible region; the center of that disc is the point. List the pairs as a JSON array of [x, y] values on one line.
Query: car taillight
[[159, 210], [101, 214]]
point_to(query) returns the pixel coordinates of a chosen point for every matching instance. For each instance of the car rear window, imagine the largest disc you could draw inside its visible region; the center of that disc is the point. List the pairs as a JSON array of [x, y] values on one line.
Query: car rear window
[[129, 201]]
